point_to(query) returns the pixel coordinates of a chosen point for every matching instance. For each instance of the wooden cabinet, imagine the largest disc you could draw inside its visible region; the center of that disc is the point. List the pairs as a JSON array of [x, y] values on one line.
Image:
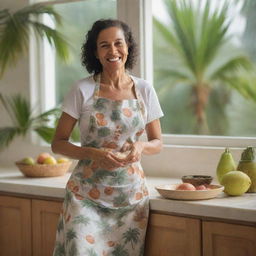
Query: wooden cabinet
[[222, 239], [45, 216], [27, 226], [171, 235], [15, 226]]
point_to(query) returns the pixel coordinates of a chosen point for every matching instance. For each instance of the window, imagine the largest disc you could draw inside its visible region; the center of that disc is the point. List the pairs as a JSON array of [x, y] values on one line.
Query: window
[[51, 76], [227, 111], [178, 123]]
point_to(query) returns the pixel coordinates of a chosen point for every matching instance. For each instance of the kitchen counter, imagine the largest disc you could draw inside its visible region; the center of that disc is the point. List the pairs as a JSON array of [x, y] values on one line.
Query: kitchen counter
[[241, 208]]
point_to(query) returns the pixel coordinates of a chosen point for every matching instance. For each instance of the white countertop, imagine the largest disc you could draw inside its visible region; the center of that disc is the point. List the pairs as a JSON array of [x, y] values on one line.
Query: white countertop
[[242, 208]]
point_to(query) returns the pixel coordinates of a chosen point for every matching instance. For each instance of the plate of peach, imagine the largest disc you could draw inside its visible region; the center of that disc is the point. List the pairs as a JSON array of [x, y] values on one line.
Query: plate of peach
[[186, 191]]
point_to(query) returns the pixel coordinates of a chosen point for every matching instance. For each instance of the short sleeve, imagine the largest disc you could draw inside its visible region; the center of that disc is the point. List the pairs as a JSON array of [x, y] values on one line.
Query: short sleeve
[[154, 110], [73, 102]]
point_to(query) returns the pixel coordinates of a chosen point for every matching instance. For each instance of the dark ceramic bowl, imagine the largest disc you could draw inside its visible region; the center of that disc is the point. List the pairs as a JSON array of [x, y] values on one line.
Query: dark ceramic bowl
[[197, 180]]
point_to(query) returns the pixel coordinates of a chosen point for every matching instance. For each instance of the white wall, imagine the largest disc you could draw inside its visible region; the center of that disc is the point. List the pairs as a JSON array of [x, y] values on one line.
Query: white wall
[[173, 161]]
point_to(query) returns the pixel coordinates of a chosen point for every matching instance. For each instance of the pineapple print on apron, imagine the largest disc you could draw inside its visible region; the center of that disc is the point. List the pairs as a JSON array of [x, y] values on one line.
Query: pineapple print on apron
[[105, 212]]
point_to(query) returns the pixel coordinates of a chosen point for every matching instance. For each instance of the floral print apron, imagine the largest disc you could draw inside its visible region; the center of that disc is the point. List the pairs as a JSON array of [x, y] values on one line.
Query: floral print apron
[[105, 212]]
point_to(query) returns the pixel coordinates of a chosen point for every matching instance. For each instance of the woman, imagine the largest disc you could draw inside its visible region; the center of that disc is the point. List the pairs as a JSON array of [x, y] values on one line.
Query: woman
[[105, 209]]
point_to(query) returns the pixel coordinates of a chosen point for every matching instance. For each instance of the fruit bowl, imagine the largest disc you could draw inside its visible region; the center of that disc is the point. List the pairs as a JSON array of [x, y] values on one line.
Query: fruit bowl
[[197, 180], [44, 170], [170, 192]]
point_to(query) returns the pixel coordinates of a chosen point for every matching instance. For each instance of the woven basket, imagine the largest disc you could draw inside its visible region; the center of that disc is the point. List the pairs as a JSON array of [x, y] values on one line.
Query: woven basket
[[44, 170]]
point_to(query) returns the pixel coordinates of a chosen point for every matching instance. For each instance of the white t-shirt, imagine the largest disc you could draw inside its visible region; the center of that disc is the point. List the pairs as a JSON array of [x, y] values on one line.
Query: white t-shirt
[[80, 97]]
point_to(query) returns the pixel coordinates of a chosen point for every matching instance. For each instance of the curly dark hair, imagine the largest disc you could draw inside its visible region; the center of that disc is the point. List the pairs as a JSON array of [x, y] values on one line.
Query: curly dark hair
[[89, 47]]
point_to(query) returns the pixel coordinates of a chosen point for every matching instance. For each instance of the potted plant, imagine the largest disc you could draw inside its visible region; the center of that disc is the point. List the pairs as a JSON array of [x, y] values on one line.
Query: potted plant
[[15, 29]]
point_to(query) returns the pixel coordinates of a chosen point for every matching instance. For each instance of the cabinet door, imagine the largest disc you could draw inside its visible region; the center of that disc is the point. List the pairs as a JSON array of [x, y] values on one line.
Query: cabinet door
[[170, 235], [222, 239], [45, 215], [15, 226]]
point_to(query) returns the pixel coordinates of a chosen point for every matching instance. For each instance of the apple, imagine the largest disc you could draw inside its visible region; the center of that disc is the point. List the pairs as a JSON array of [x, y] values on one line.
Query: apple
[[28, 160], [50, 160], [62, 160], [41, 157], [201, 187], [185, 186]]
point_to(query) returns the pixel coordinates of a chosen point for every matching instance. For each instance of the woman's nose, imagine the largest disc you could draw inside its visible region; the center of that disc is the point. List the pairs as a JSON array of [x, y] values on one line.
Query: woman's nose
[[112, 49]]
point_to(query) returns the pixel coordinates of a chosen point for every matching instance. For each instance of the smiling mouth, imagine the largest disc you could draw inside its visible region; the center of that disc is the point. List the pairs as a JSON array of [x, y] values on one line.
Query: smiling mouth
[[114, 59]]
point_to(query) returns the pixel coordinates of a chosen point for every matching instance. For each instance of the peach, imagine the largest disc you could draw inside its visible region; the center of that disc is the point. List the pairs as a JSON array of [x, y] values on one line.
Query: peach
[[50, 160], [201, 187], [41, 157], [62, 160], [185, 186]]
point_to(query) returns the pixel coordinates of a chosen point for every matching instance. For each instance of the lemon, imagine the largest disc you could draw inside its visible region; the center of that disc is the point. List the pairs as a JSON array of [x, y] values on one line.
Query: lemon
[[235, 183]]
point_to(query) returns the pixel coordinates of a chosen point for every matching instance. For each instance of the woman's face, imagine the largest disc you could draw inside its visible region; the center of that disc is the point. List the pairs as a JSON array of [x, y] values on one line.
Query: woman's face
[[112, 50]]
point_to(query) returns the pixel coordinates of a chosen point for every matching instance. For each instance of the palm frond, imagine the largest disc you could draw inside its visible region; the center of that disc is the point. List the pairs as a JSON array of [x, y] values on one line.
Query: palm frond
[[45, 116], [18, 109], [15, 30], [54, 38], [7, 134], [38, 9], [166, 33], [232, 65], [46, 133]]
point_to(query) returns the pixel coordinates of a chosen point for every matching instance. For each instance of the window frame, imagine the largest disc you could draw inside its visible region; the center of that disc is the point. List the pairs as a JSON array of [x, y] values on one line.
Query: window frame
[[138, 14]]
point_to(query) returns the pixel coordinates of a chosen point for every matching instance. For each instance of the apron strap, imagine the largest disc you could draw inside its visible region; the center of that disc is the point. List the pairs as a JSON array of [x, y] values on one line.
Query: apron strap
[[97, 86], [140, 99]]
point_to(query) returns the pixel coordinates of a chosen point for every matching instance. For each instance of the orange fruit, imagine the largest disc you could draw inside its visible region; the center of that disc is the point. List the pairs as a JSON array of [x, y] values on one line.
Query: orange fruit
[[108, 190], [90, 239], [70, 184], [130, 170], [78, 197], [111, 243], [127, 112], [87, 172], [102, 122], [142, 175], [75, 189], [94, 193], [138, 195], [140, 132], [99, 116], [145, 192]]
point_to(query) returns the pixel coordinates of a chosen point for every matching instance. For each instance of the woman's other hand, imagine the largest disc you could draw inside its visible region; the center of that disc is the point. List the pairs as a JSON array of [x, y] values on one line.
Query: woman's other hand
[[135, 149], [106, 159]]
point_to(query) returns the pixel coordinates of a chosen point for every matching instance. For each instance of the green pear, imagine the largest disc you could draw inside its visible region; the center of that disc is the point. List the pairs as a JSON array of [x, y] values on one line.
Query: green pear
[[225, 165], [247, 164], [28, 160]]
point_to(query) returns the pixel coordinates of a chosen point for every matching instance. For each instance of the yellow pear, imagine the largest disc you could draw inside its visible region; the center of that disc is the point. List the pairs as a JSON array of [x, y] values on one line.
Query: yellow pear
[[225, 165]]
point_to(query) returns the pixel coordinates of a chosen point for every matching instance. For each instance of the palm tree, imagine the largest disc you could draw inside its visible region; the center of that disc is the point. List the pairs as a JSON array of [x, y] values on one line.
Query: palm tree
[[71, 234], [132, 236], [119, 250], [24, 120], [15, 30], [200, 50]]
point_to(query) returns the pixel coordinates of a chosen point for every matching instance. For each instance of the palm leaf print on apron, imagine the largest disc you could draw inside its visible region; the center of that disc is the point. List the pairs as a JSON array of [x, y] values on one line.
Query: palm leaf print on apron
[[105, 212]]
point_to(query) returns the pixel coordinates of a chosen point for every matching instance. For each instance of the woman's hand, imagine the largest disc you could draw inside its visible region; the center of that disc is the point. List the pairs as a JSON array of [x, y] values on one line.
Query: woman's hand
[[135, 149], [106, 159]]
